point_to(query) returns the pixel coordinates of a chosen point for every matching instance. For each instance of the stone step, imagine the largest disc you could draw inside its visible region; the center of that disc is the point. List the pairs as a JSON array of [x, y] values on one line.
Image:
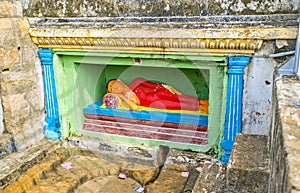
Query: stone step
[[212, 178], [246, 171], [28, 180], [180, 172], [168, 181], [15, 164], [50, 176], [111, 184], [39, 169], [248, 166]]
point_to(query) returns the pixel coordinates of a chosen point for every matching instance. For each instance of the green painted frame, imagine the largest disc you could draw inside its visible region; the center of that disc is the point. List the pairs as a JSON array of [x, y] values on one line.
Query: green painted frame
[[74, 94]]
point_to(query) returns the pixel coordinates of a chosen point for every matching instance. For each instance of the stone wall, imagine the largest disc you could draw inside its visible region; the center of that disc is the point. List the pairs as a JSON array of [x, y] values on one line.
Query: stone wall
[[1, 118], [146, 8], [284, 137], [20, 79]]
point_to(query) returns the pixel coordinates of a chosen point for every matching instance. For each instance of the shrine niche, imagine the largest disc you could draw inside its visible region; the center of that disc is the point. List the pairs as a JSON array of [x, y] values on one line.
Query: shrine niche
[[179, 125], [207, 71], [164, 119]]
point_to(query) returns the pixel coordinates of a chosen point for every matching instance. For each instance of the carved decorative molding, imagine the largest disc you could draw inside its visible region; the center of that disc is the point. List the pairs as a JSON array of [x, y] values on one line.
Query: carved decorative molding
[[98, 43], [148, 41]]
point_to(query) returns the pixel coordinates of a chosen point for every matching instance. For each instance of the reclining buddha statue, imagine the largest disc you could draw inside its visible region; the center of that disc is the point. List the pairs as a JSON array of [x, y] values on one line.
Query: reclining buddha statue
[[141, 92]]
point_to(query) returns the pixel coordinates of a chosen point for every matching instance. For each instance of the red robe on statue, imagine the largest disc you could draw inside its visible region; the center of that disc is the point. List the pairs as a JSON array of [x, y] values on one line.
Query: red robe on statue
[[157, 96]]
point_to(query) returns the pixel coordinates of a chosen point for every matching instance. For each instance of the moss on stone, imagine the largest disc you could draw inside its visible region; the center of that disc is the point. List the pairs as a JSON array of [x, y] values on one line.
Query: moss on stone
[[146, 8]]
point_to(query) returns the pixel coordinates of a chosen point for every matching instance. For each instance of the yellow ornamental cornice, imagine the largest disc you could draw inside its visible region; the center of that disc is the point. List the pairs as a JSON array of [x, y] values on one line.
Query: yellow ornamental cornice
[[233, 46], [192, 41]]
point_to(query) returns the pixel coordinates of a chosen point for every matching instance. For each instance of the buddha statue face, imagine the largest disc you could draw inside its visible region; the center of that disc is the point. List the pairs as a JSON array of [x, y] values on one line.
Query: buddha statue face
[[114, 86]]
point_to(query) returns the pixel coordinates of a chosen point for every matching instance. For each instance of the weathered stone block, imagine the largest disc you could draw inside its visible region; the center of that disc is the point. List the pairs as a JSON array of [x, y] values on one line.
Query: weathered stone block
[[181, 160], [10, 8], [8, 36], [15, 102], [6, 23], [168, 181], [138, 8], [1, 118], [6, 145], [33, 60], [212, 178], [22, 28], [22, 117], [248, 167], [27, 137], [36, 101], [108, 184], [21, 78], [285, 137], [137, 162], [6, 9], [13, 165], [9, 58]]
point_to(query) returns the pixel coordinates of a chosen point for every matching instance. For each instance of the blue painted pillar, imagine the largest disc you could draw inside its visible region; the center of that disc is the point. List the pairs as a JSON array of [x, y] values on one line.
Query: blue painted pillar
[[233, 119], [52, 129]]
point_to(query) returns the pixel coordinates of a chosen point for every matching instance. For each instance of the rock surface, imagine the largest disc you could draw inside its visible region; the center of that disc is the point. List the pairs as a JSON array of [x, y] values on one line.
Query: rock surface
[[211, 179], [131, 8], [248, 166], [110, 184], [168, 181], [63, 167]]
